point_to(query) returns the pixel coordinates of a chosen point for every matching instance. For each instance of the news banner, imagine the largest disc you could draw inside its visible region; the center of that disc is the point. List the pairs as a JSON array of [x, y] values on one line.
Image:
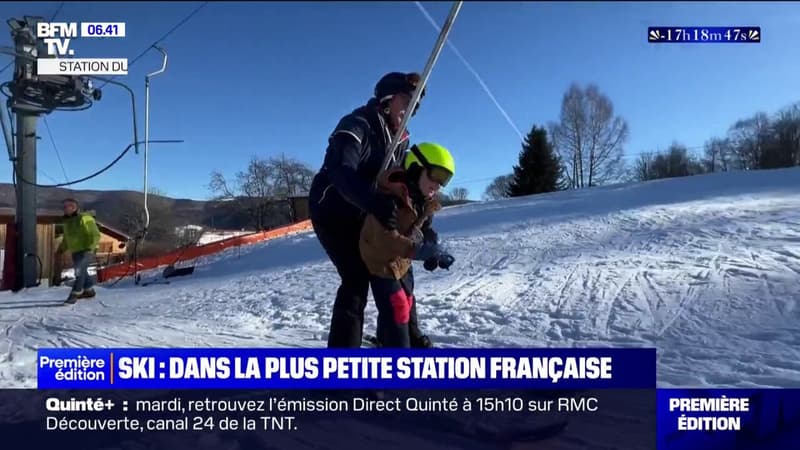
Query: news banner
[[473, 398]]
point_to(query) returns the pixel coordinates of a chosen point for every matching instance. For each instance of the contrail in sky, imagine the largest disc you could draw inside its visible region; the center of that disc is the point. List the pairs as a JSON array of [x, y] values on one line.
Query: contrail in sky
[[472, 70]]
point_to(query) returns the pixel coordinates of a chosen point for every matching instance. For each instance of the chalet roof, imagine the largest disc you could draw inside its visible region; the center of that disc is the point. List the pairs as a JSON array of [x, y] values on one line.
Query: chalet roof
[[113, 232], [52, 216]]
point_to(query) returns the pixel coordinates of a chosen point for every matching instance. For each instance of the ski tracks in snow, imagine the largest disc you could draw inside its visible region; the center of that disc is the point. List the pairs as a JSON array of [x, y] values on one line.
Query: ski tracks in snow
[[664, 276]]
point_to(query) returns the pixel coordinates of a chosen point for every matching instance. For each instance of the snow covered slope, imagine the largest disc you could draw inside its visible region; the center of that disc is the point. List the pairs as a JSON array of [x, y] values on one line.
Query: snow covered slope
[[705, 268]]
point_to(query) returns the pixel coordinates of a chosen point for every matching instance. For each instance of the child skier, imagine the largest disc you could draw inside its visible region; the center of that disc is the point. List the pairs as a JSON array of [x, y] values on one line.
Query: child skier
[[387, 252]]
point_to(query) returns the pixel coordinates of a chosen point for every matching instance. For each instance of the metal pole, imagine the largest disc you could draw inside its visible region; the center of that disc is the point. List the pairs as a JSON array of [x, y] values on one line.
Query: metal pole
[[437, 49], [147, 132], [25, 165], [147, 147], [27, 275]]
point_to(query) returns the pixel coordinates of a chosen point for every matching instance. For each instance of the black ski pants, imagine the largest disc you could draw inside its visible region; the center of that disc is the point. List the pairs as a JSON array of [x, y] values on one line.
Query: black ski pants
[[339, 237], [397, 311]]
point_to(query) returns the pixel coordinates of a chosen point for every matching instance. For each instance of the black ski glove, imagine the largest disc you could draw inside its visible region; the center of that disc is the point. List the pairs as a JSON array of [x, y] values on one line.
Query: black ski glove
[[384, 208], [441, 260], [425, 250], [446, 260]]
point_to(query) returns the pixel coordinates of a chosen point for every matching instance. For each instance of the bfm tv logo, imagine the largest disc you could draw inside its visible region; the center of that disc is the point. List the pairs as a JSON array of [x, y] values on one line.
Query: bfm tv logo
[[57, 37]]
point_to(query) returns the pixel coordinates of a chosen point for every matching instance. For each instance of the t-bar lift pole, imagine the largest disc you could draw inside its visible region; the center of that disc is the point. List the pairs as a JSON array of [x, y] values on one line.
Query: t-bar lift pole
[[437, 49]]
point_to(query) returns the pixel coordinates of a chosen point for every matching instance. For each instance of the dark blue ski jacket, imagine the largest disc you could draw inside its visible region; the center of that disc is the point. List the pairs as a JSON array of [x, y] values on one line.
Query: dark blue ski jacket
[[344, 189]]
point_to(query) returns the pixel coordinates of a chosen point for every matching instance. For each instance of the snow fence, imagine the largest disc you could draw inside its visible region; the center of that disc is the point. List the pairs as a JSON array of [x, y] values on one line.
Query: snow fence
[[154, 262]]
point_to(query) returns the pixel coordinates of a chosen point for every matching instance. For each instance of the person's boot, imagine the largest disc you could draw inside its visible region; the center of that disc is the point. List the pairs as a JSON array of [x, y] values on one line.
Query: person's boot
[[73, 297], [422, 341], [87, 293]]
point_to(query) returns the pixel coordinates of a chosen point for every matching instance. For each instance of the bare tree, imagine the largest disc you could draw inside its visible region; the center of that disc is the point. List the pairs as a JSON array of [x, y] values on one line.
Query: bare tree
[[675, 162], [642, 166], [263, 189], [252, 191], [459, 194], [498, 188], [783, 147], [292, 176], [161, 236], [749, 138], [719, 155], [589, 137]]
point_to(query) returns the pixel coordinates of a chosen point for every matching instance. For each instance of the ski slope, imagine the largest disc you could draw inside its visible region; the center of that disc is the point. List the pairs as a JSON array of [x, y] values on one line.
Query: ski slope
[[704, 268]]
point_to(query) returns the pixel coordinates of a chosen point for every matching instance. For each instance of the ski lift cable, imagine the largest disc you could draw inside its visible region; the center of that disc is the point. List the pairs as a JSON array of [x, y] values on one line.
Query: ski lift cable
[[472, 71], [437, 49], [165, 35], [58, 10], [99, 172]]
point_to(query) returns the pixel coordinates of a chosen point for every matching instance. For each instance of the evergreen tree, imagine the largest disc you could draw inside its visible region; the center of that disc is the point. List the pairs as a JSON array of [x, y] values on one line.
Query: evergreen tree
[[539, 168]]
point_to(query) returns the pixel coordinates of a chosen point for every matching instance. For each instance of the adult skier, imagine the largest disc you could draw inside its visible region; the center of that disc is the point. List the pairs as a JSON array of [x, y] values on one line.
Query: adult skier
[[344, 191], [388, 252], [81, 236]]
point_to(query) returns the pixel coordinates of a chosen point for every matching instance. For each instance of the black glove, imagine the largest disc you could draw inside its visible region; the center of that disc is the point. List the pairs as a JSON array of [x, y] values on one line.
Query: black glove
[[431, 264], [446, 260], [384, 208], [425, 250], [441, 260]]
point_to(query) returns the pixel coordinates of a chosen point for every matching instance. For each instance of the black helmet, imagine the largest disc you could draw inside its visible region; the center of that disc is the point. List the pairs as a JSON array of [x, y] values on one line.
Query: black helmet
[[397, 83]]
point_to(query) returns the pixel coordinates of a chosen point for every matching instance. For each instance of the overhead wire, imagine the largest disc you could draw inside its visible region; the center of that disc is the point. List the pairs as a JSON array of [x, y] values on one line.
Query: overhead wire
[[46, 124], [55, 147], [97, 173], [58, 10]]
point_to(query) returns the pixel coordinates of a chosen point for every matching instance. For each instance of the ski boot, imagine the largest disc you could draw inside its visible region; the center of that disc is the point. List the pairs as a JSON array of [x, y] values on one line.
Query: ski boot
[[421, 342], [73, 297]]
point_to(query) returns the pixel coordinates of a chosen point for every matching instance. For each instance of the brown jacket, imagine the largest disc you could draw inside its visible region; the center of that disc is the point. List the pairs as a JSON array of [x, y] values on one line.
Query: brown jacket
[[388, 253]]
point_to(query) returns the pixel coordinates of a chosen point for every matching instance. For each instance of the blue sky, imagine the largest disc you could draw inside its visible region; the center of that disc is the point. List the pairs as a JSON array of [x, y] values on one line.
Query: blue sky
[[263, 79]]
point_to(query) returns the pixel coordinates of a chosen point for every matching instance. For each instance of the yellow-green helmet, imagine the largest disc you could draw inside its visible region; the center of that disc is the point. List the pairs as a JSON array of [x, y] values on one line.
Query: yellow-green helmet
[[434, 158]]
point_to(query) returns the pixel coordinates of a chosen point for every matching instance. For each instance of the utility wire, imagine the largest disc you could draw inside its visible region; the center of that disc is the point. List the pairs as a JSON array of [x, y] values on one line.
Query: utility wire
[[47, 176], [58, 10], [55, 147], [95, 174], [157, 41]]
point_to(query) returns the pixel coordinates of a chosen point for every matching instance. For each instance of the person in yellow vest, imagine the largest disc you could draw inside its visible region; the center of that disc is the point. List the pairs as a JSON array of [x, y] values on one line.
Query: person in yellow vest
[[81, 236]]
